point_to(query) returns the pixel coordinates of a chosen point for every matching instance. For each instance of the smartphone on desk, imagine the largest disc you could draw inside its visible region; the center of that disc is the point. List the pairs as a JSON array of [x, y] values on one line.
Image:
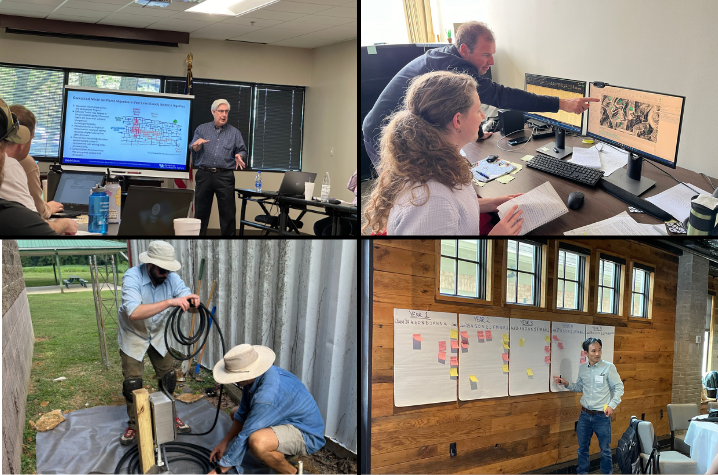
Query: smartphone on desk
[[518, 141]]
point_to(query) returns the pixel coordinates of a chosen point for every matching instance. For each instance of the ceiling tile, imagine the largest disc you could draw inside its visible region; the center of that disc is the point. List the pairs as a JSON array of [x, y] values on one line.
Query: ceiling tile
[[222, 31], [243, 20], [341, 12], [83, 19], [179, 25], [114, 2], [335, 3], [196, 16], [92, 6], [294, 7], [326, 20], [30, 7], [127, 20], [24, 13], [52, 3], [268, 35], [156, 12], [80, 13], [303, 27], [272, 15]]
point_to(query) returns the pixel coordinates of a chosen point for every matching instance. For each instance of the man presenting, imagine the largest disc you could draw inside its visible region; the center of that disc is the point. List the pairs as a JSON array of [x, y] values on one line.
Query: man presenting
[[277, 415], [148, 292], [597, 380], [218, 149], [471, 54]]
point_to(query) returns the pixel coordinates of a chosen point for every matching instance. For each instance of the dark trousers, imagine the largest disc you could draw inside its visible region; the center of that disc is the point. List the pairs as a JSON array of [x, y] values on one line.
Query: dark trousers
[[131, 368], [220, 183], [589, 424]]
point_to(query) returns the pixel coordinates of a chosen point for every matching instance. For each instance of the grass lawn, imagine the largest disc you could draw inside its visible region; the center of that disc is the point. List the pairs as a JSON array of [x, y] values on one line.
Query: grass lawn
[[43, 275], [67, 344]]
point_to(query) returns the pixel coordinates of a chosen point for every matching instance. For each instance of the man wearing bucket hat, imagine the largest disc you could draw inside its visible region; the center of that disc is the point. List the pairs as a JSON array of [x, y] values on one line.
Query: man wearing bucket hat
[[149, 291], [277, 415], [16, 219]]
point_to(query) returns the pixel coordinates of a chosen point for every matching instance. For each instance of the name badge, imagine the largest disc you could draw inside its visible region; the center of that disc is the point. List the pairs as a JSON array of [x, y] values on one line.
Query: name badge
[[599, 378]]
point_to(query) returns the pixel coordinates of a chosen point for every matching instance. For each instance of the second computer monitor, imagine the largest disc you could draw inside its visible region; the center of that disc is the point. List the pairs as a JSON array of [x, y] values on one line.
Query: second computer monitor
[[563, 89]]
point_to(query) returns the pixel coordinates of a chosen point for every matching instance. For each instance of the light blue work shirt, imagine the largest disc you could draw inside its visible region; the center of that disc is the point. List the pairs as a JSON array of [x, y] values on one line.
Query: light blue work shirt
[[135, 336], [275, 398], [597, 393]]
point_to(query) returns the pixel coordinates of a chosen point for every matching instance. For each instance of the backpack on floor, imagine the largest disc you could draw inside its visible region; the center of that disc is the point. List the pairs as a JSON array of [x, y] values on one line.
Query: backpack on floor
[[628, 451]]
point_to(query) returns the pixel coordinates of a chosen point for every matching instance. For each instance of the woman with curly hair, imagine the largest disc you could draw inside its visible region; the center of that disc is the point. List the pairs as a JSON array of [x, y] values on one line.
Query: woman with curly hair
[[424, 184]]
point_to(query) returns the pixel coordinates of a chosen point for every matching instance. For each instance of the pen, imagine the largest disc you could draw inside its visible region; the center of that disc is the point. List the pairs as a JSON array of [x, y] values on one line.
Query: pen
[[485, 176]]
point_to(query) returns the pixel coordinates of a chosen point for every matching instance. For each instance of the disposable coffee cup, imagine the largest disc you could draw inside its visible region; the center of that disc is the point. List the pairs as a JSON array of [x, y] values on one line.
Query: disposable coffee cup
[[308, 190], [187, 226]]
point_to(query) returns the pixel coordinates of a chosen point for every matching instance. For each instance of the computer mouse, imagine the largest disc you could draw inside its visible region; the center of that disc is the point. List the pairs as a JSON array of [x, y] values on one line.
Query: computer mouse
[[575, 200], [492, 158]]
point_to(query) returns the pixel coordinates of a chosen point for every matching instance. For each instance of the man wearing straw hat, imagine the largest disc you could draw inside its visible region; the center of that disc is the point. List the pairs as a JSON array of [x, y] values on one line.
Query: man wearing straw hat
[[148, 292], [277, 415]]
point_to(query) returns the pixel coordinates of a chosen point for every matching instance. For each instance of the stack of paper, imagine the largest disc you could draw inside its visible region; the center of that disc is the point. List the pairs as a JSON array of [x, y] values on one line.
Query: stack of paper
[[540, 205], [611, 159], [588, 157], [621, 224], [677, 200]]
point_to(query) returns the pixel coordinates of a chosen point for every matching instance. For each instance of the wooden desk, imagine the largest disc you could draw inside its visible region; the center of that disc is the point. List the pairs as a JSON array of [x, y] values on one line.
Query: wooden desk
[[597, 206]]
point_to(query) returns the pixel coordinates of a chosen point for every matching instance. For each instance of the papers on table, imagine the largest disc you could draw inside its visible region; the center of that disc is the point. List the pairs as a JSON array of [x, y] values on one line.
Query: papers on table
[[677, 200], [621, 224], [611, 159], [540, 205], [588, 157]]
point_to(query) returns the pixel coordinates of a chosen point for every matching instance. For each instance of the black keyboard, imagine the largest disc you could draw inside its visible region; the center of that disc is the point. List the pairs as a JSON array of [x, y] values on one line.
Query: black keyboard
[[570, 171]]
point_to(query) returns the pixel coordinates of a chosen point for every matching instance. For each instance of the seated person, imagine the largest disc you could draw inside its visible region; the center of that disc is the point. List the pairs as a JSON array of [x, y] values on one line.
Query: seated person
[[16, 219], [323, 227], [277, 415], [424, 184]]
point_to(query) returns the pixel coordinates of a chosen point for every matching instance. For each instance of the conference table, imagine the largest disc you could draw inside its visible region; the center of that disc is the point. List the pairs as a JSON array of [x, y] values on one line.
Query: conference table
[[703, 440], [598, 205]]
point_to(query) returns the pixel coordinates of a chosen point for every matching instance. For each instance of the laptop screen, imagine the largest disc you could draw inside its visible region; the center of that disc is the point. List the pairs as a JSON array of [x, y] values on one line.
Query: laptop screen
[[75, 188]]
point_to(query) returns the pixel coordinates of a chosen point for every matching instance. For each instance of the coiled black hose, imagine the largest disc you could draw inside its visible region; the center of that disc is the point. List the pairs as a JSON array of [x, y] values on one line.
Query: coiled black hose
[[196, 453]]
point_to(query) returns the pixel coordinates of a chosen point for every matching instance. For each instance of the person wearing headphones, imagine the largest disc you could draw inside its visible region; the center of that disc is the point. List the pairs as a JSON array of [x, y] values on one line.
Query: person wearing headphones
[[602, 388]]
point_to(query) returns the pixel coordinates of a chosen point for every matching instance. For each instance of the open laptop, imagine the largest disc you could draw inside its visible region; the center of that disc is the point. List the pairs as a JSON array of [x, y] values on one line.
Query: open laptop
[[73, 191], [293, 184], [151, 211]]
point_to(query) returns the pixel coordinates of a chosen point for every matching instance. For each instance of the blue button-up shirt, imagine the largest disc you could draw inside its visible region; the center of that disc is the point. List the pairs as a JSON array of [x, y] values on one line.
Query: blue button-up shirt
[[135, 336], [597, 393], [224, 143], [275, 398]]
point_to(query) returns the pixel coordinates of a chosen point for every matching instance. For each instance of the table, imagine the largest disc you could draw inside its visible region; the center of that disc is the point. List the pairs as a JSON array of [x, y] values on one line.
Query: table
[[73, 279], [703, 439], [598, 205], [286, 203]]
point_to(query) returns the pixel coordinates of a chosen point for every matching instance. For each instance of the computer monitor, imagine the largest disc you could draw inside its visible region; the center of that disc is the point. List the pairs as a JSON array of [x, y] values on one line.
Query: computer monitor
[[131, 133], [561, 121], [645, 124]]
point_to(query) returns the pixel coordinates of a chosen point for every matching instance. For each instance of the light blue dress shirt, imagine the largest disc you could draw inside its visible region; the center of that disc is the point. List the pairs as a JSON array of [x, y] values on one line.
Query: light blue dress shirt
[[275, 398], [224, 143], [135, 337], [597, 391]]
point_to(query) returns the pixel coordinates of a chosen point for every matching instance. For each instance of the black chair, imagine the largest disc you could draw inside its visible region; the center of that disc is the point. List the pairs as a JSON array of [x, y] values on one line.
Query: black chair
[[273, 222]]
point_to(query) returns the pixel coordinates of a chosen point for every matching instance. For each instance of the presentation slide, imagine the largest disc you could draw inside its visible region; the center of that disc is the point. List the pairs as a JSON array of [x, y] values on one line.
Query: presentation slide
[[121, 130]]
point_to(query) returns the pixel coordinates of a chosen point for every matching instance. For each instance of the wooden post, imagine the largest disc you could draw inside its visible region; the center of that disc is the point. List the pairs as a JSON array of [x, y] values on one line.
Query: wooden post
[[144, 429], [59, 271]]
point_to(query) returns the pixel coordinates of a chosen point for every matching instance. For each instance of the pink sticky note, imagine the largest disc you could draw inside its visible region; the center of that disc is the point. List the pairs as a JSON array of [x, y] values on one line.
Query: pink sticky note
[[454, 361], [505, 356], [465, 335], [417, 337], [547, 349], [488, 335], [555, 337], [442, 345], [547, 359], [583, 353], [442, 355], [480, 335], [454, 344], [560, 345], [464, 344], [583, 360]]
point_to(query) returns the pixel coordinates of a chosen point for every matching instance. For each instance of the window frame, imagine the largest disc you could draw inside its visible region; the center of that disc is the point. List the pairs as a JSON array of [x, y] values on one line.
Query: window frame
[[486, 267], [647, 291], [539, 279], [583, 273], [619, 281]]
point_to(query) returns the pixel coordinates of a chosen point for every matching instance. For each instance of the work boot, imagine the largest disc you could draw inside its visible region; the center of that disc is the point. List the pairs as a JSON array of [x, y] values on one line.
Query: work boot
[[182, 428], [129, 437]]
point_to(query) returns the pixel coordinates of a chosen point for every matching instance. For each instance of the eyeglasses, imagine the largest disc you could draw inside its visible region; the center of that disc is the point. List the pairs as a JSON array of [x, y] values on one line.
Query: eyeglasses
[[222, 112], [15, 126], [162, 271]]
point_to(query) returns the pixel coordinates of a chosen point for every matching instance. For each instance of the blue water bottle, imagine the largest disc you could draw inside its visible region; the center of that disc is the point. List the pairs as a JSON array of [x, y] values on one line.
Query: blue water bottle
[[99, 209], [258, 182]]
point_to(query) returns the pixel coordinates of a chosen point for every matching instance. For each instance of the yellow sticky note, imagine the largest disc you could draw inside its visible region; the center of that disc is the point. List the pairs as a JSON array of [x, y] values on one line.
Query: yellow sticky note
[[521, 341], [547, 338], [505, 179], [527, 158], [454, 372], [518, 167], [454, 334], [505, 337], [505, 368], [473, 378], [587, 141], [506, 344], [529, 372], [477, 182]]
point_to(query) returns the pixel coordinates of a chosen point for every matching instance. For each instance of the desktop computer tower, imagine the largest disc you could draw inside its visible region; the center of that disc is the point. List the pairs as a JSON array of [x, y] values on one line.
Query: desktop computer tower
[[510, 121]]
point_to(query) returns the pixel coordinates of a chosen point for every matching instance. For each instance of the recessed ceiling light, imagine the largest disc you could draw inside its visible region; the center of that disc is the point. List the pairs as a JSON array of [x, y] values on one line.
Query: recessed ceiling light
[[230, 7]]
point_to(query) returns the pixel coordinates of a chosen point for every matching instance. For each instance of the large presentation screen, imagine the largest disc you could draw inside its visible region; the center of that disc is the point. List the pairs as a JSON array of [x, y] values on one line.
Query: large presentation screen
[[131, 131]]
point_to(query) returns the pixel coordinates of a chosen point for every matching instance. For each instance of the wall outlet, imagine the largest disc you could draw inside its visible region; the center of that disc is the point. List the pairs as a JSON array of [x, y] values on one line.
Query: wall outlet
[[452, 449], [698, 338]]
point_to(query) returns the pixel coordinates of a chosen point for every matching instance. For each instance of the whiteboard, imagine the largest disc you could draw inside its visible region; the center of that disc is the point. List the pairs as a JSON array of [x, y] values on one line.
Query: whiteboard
[[566, 361], [420, 376], [529, 356], [607, 335], [482, 357]]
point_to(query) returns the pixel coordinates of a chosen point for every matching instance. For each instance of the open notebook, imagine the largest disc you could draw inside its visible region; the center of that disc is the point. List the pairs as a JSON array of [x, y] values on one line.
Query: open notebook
[[540, 205]]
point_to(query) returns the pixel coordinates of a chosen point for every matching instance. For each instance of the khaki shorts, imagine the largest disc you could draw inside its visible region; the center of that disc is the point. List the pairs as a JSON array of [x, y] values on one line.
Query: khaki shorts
[[291, 441]]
